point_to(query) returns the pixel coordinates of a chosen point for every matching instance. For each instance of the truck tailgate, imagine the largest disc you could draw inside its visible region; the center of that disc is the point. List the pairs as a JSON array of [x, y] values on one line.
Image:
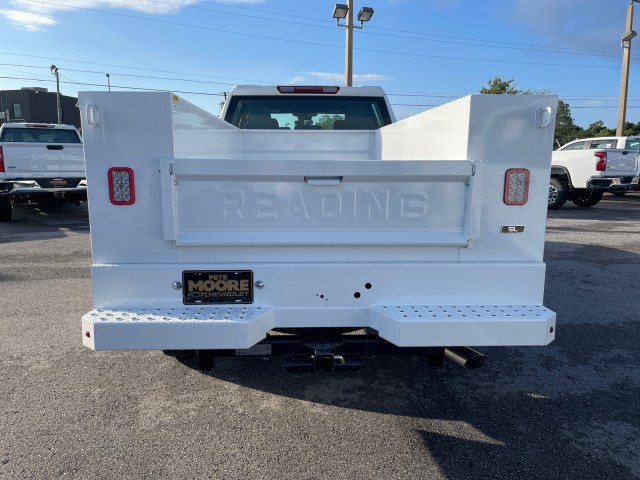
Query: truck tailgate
[[34, 160], [252, 202], [621, 163]]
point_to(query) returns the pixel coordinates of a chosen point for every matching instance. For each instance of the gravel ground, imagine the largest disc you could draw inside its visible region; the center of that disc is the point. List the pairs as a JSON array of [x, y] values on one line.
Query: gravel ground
[[565, 411]]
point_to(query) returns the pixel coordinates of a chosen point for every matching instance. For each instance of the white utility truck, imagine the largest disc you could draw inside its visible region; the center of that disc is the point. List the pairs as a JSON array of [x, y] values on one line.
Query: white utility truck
[[583, 170], [40, 163], [306, 223]]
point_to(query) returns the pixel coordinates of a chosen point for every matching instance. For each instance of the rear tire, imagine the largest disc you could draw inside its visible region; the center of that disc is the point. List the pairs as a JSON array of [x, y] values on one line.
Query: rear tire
[[6, 213], [586, 198], [205, 360], [558, 193]]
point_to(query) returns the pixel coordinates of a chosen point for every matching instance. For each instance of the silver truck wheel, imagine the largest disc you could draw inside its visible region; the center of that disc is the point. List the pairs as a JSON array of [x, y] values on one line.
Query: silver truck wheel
[[557, 194]]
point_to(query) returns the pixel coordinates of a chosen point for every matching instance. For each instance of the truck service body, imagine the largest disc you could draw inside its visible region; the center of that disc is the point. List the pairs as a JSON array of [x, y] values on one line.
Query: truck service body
[[40, 163], [310, 214]]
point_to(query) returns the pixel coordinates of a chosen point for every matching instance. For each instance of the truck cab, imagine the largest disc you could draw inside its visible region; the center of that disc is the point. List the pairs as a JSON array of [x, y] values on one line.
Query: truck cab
[[307, 108]]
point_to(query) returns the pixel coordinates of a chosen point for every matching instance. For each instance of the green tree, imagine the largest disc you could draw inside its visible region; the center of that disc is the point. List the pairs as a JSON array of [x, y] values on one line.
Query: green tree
[[566, 129], [326, 121], [498, 86], [598, 129], [631, 129]]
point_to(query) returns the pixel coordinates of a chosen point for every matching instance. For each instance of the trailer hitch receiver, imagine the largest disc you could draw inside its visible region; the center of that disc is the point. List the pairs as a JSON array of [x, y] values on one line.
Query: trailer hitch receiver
[[322, 361]]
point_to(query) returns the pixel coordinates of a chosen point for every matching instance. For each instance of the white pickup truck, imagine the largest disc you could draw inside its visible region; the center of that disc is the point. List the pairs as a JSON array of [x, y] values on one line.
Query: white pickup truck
[[306, 223], [40, 163], [582, 170]]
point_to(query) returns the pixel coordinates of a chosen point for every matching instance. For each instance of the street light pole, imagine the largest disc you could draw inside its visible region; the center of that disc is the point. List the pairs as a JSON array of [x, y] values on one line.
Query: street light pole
[[348, 54], [626, 57], [56, 73], [108, 81], [340, 12]]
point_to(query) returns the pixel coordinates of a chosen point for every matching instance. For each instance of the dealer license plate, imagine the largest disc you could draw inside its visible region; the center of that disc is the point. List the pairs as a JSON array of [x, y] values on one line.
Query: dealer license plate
[[57, 182], [217, 286]]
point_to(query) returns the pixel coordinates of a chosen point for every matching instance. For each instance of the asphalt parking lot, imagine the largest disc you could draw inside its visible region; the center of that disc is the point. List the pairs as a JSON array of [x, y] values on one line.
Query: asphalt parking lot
[[565, 411]]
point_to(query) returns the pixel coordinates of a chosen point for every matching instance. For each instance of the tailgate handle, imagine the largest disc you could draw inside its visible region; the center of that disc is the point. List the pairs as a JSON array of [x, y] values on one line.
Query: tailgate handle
[[322, 181], [55, 147]]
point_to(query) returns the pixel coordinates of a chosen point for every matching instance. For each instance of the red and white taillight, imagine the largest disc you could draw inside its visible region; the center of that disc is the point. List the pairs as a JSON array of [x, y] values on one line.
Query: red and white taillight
[[601, 164], [516, 186], [1, 161], [121, 186]]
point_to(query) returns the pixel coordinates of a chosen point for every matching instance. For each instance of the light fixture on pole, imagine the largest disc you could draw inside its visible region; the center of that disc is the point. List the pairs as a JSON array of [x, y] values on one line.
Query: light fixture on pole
[[56, 73], [108, 81], [342, 11], [626, 58]]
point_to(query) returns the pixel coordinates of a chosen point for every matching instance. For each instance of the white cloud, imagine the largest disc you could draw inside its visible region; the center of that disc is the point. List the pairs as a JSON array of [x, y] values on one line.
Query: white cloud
[[34, 16], [29, 21], [371, 77], [328, 76], [338, 77]]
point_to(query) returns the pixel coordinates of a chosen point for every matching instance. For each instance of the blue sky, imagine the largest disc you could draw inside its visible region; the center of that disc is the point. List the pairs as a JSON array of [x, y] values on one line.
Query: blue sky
[[422, 52]]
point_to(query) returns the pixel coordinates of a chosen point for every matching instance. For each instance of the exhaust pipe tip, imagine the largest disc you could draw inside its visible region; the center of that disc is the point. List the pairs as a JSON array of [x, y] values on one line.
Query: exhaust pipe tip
[[465, 357]]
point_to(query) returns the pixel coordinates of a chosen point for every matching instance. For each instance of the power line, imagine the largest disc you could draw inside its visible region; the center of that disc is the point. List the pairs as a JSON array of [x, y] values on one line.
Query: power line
[[423, 36], [125, 87], [373, 27], [304, 42], [58, 59], [126, 75]]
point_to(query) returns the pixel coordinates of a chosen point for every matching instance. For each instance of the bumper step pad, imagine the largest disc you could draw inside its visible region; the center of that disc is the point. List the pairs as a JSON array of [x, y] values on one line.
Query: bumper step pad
[[458, 325], [176, 328], [241, 327]]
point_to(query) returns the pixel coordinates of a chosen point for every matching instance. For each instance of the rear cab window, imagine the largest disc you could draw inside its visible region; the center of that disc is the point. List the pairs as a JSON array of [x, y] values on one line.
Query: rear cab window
[[306, 112], [39, 135], [632, 144], [603, 143], [574, 146]]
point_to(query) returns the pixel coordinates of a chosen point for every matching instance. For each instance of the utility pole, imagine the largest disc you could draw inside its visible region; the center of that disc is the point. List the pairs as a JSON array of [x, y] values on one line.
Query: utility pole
[[56, 73], [626, 57], [348, 55]]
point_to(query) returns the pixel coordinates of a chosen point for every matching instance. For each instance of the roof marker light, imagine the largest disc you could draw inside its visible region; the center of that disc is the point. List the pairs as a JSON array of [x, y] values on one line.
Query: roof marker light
[[308, 89], [516, 186], [121, 186]]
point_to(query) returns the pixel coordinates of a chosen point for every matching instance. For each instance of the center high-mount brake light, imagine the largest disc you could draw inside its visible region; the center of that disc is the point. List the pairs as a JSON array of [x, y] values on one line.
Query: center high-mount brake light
[[516, 186], [308, 89], [121, 188], [601, 165]]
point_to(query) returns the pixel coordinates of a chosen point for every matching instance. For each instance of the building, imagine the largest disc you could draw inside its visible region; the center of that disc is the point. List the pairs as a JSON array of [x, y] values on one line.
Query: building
[[37, 105]]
